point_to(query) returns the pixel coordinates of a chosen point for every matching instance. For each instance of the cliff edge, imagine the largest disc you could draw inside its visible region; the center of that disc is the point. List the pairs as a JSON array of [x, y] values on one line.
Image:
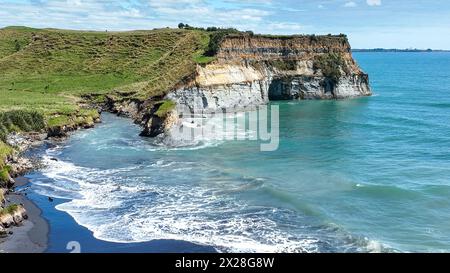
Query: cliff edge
[[250, 70]]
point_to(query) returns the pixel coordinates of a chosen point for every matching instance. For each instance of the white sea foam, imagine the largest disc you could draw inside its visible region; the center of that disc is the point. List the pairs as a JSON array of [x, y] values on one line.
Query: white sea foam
[[207, 132], [156, 200], [374, 246], [119, 209]]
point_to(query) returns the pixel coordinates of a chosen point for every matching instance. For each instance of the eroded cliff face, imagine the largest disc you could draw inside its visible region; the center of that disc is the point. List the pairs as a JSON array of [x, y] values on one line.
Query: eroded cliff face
[[251, 70], [247, 47], [224, 86]]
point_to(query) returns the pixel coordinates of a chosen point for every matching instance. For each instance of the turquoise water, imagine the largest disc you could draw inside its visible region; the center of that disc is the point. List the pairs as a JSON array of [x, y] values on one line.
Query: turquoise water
[[362, 175]]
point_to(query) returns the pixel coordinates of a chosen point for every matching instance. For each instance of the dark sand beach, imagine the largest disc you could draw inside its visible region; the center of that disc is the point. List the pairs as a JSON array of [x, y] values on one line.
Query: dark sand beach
[[32, 235], [35, 235]]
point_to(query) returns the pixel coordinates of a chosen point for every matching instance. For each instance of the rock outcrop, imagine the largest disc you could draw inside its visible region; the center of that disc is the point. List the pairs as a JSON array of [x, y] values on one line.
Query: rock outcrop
[[2, 197], [3, 232], [12, 216], [251, 70]]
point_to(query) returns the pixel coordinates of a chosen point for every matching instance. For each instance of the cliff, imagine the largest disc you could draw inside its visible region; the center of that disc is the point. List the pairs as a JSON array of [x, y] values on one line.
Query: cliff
[[249, 47], [251, 70], [135, 73]]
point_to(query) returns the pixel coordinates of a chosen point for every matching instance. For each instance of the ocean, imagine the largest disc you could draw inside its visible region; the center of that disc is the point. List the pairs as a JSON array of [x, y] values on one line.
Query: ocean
[[361, 175]]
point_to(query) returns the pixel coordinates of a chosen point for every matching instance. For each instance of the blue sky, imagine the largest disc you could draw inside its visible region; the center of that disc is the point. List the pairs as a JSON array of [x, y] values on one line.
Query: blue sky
[[369, 23]]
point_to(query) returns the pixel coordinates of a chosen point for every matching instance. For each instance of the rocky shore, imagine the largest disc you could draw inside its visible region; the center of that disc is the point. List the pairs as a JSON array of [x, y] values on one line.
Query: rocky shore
[[28, 235]]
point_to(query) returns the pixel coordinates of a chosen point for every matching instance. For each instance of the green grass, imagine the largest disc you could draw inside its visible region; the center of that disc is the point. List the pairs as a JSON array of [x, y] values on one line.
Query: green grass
[[199, 55], [55, 121], [330, 65], [13, 36], [82, 117], [19, 121], [46, 72], [9, 210], [4, 175], [5, 150], [204, 59], [51, 69], [165, 108]]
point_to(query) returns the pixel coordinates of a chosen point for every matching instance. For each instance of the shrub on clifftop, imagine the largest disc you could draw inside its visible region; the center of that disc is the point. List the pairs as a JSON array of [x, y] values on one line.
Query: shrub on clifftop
[[165, 108], [330, 65], [216, 39], [19, 120]]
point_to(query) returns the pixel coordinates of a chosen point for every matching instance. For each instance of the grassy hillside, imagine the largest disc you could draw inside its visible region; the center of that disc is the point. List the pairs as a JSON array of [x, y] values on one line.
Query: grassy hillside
[[48, 70]]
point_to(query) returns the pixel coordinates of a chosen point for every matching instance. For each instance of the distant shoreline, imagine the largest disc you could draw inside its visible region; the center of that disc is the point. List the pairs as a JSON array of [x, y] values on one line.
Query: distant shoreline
[[399, 50]]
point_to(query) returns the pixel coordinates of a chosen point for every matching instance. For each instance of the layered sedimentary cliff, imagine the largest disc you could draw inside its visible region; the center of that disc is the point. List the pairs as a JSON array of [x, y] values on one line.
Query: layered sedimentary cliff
[[251, 70]]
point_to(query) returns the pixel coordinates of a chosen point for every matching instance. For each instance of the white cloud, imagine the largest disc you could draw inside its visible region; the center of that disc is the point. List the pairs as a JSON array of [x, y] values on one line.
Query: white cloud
[[77, 14], [184, 10], [266, 2], [145, 14], [374, 2], [289, 9], [350, 4], [284, 27]]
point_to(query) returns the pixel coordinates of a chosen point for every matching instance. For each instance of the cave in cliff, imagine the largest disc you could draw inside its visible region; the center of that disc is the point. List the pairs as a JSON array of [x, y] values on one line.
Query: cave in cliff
[[299, 87]]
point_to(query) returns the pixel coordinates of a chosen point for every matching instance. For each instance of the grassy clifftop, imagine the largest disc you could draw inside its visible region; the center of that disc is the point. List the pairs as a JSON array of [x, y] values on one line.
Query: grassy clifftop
[[47, 71]]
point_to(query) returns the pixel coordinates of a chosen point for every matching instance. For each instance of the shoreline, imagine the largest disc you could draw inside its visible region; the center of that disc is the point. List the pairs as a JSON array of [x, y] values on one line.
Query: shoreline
[[32, 235], [36, 234], [49, 230]]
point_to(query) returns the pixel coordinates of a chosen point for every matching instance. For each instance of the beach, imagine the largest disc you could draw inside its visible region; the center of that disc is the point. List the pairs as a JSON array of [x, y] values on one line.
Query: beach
[[66, 235]]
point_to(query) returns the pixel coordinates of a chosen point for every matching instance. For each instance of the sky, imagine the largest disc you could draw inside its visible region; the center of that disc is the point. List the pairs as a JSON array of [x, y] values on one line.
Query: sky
[[368, 23]]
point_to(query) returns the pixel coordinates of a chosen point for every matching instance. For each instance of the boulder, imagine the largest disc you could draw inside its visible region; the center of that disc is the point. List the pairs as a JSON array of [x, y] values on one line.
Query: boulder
[[13, 215], [6, 220], [19, 166], [3, 232], [19, 215], [11, 182], [57, 132], [2, 198]]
